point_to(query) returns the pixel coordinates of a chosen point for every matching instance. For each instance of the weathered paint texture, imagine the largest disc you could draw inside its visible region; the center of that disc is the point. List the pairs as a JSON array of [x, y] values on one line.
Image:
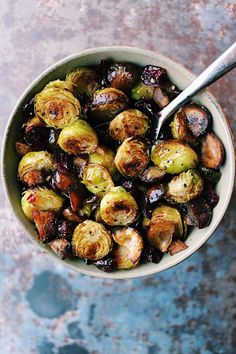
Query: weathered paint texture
[[48, 309]]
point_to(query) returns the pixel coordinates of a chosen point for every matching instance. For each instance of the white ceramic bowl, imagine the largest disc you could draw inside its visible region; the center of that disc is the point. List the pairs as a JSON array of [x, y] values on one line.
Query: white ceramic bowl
[[182, 78]]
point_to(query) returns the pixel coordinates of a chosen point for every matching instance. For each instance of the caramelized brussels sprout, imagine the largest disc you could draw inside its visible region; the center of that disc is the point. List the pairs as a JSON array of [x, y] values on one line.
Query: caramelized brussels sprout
[[173, 157], [129, 123], [45, 222], [56, 107], [141, 91], [132, 156], [34, 161], [130, 247], [160, 97], [83, 81], [212, 151], [152, 174], [42, 199], [107, 103], [122, 76], [164, 224], [97, 179], [103, 156], [91, 240], [176, 247], [118, 207], [180, 129], [184, 187], [61, 247], [78, 138], [197, 117]]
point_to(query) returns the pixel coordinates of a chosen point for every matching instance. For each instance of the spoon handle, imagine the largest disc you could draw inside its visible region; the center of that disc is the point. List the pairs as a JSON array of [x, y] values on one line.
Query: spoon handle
[[223, 64]]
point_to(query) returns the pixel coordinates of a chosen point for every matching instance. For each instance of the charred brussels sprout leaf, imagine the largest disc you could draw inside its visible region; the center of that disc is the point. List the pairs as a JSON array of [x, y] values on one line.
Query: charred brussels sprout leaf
[[32, 164], [91, 240], [184, 187], [56, 107], [107, 103], [173, 157], [97, 179], [132, 156], [83, 81], [122, 76], [42, 199], [118, 207], [78, 138], [103, 156], [142, 92], [212, 151], [129, 123], [130, 247]]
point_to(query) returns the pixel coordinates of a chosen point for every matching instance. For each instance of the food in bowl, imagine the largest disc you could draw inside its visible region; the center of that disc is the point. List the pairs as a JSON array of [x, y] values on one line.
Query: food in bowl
[[93, 181]]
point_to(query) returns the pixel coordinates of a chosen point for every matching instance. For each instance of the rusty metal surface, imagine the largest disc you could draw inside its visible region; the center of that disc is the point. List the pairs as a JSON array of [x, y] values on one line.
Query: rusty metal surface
[[47, 309]]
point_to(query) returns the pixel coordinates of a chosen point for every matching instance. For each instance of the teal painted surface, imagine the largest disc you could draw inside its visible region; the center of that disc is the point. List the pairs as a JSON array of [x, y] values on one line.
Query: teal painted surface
[[48, 309]]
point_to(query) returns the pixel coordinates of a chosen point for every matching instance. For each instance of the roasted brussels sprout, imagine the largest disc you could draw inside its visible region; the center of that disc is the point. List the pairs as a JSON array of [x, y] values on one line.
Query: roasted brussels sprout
[[129, 123], [45, 222], [141, 91], [103, 156], [91, 240], [42, 199], [59, 84], [61, 247], [152, 174], [212, 151], [122, 76], [173, 157], [118, 207], [176, 247], [132, 156], [180, 129], [130, 247], [97, 179], [184, 187], [36, 161], [78, 138], [160, 97], [56, 107], [197, 118], [167, 213], [83, 81], [107, 103]]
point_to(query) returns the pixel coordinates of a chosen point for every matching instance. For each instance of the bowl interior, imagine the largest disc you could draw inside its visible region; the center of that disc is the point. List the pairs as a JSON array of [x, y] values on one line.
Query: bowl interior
[[182, 78]]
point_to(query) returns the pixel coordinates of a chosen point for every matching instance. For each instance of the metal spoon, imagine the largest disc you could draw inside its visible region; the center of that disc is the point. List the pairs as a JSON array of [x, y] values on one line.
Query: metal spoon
[[223, 64]]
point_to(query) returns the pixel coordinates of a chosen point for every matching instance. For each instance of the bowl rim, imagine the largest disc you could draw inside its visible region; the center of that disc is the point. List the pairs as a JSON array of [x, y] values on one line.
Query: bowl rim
[[112, 50]]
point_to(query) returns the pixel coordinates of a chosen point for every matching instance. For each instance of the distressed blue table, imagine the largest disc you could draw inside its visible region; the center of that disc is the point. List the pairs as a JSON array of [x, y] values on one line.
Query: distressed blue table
[[48, 309]]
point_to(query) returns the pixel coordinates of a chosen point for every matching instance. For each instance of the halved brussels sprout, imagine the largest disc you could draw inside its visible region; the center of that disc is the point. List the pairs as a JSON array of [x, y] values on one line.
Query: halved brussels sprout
[[173, 157], [91, 240], [42, 199], [56, 107], [107, 103], [164, 224], [103, 156], [59, 84], [97, 179], [198, 118], [35, 160], [118, 207], [122, 76], [184, 187], [180, 129], [212, 151], [129, 123], [132, 156], [141, 91], [78, 138], [152, 174], [83, 81], [130, 247]]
